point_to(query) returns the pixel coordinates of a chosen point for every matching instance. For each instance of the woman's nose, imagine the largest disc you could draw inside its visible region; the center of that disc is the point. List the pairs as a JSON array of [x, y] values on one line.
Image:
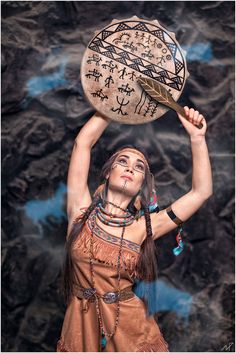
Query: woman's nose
[[130, 169]]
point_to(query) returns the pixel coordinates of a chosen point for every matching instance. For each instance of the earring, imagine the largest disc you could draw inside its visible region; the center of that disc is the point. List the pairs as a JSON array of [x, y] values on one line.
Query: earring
[[137, 202]]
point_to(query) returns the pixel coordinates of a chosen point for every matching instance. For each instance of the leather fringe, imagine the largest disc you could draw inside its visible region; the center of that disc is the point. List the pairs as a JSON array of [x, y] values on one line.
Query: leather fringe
[[105, 252], [160, 345]]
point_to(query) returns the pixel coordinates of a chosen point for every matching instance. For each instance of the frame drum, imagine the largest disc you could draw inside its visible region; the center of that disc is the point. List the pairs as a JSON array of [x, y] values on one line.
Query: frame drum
[[122, 52]]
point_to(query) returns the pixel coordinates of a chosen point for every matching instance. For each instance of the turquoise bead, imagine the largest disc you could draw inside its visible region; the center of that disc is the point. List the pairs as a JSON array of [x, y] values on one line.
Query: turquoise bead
[[178, 249], [103, 341]]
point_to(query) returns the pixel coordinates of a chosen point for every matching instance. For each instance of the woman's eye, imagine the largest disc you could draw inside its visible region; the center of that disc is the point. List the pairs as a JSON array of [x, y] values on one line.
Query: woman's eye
[[122, 160], [139, 166]]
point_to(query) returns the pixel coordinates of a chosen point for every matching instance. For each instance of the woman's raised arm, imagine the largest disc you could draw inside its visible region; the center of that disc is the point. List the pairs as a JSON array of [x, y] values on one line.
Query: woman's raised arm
[[78, 194], [201, 189]]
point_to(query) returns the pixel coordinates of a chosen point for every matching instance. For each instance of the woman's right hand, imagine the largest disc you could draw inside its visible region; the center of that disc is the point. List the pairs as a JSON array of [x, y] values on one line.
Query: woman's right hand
[[93, 129]]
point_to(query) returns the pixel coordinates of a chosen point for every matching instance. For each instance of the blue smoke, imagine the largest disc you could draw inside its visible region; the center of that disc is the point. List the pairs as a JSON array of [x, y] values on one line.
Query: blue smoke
[[160, 296], [39, 210], [199, 52], [39, 84]]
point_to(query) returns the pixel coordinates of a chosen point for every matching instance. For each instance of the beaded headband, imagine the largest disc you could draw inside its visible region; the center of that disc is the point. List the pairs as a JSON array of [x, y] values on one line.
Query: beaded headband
[[133, 150]]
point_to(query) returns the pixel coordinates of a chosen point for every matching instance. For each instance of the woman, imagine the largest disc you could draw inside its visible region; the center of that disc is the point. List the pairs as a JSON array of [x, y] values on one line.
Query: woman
[[110, 242]]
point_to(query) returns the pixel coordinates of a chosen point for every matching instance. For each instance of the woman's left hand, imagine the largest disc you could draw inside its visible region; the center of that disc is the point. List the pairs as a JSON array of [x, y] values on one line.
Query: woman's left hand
[[194, 119]]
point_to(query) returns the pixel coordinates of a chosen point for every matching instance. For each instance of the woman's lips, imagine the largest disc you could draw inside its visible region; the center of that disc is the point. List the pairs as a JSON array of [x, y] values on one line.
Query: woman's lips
[[127, 178]]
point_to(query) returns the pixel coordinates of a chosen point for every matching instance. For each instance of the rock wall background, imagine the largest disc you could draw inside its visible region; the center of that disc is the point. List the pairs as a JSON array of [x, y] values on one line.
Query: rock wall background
[[43, 109]]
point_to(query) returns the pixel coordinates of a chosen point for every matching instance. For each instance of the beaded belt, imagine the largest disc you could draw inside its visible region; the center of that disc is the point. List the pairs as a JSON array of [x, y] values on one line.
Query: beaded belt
[[90, 294]]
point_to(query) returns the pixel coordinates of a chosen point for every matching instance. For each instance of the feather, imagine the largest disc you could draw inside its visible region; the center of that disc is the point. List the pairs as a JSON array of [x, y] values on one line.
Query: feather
[[156, 91]]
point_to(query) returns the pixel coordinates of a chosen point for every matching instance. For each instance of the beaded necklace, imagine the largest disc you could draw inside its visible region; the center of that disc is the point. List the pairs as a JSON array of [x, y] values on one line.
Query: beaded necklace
[[114, 220], [111, 203], [126, 215], [104, 334]]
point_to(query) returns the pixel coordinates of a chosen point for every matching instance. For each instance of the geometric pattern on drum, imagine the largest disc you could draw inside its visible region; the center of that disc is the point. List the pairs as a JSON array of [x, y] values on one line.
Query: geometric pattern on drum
[[101, 233], [136, 63]]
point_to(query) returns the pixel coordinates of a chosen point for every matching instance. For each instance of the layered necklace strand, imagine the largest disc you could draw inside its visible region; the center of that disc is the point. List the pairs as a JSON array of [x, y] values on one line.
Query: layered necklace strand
[[103, 332], [114, 220], [111, 203]]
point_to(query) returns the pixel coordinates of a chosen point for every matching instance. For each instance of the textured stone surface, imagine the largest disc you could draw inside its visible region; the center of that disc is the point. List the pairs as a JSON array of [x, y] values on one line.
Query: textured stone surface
[[43, 108]]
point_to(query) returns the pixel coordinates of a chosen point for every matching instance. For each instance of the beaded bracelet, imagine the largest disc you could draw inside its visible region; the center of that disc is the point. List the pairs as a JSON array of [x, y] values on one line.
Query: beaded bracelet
[[177, 250]]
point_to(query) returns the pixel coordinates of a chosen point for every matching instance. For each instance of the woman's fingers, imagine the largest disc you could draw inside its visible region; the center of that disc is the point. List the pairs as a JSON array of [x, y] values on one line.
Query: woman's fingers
[[193, 115], [194, 119], [186, 108], [200, 119]]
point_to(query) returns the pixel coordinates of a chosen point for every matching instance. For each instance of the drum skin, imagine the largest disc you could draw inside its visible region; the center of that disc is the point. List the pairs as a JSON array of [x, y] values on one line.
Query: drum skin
[[122, 52]]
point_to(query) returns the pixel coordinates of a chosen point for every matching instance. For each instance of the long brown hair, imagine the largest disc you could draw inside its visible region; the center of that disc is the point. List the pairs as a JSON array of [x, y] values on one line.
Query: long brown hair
[[146, 268]]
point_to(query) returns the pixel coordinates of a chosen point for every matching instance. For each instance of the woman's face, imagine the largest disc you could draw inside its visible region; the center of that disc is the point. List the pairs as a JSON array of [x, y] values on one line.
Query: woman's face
[[127, 173]]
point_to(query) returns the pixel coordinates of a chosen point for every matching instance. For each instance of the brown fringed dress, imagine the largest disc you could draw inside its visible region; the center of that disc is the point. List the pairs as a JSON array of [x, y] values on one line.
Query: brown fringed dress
[[136, 332]]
